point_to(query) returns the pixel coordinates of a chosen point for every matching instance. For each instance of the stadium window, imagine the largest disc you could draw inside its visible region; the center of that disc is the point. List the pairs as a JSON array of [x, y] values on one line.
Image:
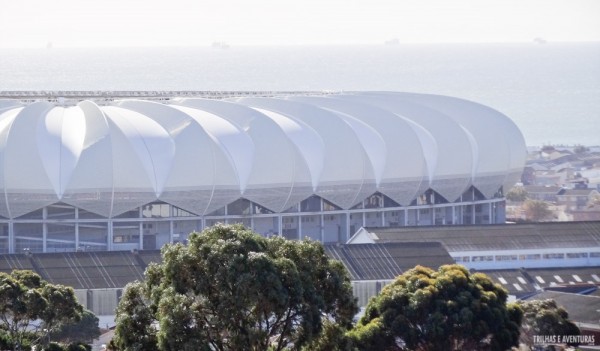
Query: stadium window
[[577, 255], [594, 254], [553, 256], [530, 257], [506, 258]]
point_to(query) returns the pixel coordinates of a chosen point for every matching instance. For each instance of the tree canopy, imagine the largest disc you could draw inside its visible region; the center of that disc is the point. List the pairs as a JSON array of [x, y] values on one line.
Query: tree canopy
[[545, 317], [448, 309], [31, 308], [232, 289], [536, 210], [86, 329], [517, 194]]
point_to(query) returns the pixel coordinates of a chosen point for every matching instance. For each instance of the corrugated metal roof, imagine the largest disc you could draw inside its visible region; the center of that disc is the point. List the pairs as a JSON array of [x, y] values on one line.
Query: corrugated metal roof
[[498, 237], [387, 260]]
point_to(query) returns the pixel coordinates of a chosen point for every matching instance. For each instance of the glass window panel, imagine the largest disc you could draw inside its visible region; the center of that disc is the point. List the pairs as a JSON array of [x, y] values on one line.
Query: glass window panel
[[178, 212], [374, 201], [218, 212], [37, 214], [3, 245], [60, 211], [328, 206], [156, 210], [135, 213], [30, 230], [84, 214], [312, 204], [126, 232], [93, 236], [240, 207], [387, 202]]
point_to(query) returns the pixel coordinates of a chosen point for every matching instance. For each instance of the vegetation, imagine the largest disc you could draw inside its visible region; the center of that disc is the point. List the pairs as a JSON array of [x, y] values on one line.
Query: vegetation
[[86, 329], [517, 194], [544, 317], [231, 289], [580, 149], [536, 210], [31, 309], [448, 309]]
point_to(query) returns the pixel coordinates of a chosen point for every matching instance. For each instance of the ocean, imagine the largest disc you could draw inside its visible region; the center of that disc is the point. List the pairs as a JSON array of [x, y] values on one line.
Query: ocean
[[551, 91]]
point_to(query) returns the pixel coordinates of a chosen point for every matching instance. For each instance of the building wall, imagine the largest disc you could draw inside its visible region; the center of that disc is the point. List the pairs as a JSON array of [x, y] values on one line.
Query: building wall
[[533, 258]]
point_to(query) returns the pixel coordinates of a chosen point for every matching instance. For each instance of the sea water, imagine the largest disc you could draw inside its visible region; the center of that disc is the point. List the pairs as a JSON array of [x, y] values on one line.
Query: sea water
[[551, 91]]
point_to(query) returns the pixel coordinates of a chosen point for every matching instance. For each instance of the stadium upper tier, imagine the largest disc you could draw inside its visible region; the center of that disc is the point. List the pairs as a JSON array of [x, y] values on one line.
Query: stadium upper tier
[[202, 154]]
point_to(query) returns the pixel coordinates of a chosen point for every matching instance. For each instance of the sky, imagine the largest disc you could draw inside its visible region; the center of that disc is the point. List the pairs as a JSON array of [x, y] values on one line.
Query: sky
[[106, 23]]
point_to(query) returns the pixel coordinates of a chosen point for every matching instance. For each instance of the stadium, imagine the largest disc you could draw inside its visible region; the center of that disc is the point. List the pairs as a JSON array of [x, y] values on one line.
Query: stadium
[[120, 174]]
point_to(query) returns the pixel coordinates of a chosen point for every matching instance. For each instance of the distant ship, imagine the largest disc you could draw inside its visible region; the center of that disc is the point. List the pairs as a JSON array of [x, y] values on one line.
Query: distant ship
[[393, 41], [49, 45], [539, 40], [219, 45]]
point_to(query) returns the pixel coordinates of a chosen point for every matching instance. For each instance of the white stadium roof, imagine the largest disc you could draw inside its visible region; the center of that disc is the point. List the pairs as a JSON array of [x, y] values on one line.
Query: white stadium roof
[[202, 154]]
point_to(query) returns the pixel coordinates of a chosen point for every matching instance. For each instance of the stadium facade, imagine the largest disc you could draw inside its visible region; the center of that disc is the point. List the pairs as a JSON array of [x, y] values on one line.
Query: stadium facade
[[136, 174]]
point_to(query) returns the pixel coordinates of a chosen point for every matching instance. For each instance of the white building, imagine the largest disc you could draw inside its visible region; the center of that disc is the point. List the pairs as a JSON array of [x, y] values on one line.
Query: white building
[[136, 174], [506, 246]]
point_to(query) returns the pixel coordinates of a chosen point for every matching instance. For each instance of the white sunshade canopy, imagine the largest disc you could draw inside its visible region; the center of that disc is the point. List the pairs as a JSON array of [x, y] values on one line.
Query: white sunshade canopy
[[202, 154]]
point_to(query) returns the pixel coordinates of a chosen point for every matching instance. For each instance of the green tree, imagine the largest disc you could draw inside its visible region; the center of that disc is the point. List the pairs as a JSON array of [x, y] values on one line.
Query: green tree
[[536, 210], [30, 307], [517, 194], [544, 317], [86, 329], [232, 289], [580, 149], [448, 309]]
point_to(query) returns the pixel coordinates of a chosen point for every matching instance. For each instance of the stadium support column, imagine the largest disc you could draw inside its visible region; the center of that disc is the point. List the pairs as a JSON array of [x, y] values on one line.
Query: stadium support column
[[348, 234], [280, 224], [171, 231], [11, 237], [141, 236], [299, 227], [322, 226], [109, 236], [76, 228], [44, 229]]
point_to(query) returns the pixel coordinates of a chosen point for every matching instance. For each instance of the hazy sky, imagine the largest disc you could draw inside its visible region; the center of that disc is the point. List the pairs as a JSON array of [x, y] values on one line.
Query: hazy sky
[[83, 23]]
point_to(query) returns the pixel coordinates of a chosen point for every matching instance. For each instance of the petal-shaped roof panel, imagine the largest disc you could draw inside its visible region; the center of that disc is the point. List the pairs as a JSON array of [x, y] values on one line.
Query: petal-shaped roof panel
[[450, 175], [397, 134], [496, 136], [276, 188], [348, 175], [26, 182]]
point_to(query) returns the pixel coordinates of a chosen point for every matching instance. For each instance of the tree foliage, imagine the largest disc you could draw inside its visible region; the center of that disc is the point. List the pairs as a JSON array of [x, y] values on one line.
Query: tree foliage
[[448, 309], [86, 329], [544, 317], [517, 194], [536, 210], [231, 289], [30, 307]]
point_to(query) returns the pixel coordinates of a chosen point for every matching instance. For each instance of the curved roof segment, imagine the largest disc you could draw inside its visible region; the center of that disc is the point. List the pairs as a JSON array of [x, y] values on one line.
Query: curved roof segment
[[202, 154]]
